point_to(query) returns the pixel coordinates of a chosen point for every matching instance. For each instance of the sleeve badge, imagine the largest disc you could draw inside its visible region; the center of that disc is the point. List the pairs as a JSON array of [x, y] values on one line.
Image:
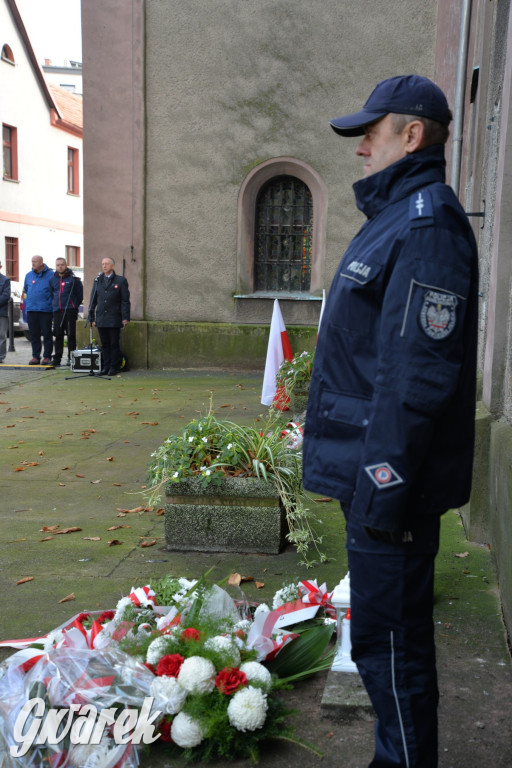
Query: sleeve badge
[[438, 314]]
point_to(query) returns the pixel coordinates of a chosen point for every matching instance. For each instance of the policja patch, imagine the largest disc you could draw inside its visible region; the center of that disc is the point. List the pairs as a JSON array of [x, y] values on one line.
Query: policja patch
[[437, 314]]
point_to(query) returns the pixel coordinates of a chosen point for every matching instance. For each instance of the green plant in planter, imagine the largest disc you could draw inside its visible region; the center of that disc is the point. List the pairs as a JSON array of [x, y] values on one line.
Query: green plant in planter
[[295, 373], [212, 449]]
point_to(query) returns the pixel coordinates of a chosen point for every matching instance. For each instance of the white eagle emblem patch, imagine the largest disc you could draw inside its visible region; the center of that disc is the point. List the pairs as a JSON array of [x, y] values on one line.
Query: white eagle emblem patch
[[437, 315]]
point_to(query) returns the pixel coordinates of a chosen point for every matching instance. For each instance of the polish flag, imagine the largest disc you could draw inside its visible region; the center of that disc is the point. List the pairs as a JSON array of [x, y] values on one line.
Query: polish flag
[[279, 349]]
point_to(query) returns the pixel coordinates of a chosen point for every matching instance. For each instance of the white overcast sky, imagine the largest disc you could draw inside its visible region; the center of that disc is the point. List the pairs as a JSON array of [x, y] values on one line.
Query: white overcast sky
[[54, 28]]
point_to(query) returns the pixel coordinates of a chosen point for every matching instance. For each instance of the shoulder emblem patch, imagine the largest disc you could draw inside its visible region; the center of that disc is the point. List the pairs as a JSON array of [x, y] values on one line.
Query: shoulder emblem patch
[[438, 314], [383, 475]]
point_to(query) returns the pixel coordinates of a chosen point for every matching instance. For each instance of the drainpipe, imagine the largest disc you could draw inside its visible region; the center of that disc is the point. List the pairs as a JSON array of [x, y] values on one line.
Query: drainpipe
[[460, 89]]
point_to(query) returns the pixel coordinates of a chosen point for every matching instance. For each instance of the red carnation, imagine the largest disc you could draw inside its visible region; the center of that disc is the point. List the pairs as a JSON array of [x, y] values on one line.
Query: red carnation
[[82, 617], [230, 679], [164, 729], [170, 665], [106, 616], [190, 634]]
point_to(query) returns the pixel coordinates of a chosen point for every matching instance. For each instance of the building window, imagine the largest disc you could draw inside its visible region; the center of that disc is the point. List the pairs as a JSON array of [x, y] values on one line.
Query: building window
[[283, 236], [10, 147], [12, 266], [73, 171], [73, 255], [7, 54]]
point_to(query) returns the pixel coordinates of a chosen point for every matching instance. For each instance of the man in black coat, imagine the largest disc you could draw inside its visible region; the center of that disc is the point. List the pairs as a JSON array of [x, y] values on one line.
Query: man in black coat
[[109, 310]]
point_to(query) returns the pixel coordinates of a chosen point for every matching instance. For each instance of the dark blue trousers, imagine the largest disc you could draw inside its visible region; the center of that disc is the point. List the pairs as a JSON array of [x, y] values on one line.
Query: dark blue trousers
[[392, 633], [40, 324]]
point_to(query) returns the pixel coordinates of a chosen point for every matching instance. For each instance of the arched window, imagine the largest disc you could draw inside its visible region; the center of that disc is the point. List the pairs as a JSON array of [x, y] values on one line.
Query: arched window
[[283, 236], [7, 54]]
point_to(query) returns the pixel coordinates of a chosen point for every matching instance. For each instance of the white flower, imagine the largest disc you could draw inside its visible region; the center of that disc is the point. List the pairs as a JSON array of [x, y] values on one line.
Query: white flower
[[122, 605], [204, 439], [156, 649], [168, 693], [247, 709], [243, 626], [185, 731], [176, 474], [197, 675], [208, 472], [191, 439], [229, 446], [261, 608], [226, 646], [257, 672], [287, 594], [52, 640]]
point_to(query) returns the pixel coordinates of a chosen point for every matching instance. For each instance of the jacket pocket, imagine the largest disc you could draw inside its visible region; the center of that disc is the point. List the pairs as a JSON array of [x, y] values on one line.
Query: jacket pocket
[[360, 297]]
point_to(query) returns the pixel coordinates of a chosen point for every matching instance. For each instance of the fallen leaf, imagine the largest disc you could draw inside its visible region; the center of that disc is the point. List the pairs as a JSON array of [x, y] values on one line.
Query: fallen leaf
[[115, 527], [32, 463], [151, 423], [47, 528], [247, 578], [135, 509], [259, 584], [121, 514], [113, 542], [79, 475], [324, 498], [133, 413], [226, 405], [62, 485], [10, 447], [10, 426], [160, 511], [25, 579], [118, 484], [95, 482], [69, 530], [234, 580], [110, 458], [68, 598], [41, 453], [19, 469], [461, 554], [63, 469], [91, 538], [47, 538], [148, 543]]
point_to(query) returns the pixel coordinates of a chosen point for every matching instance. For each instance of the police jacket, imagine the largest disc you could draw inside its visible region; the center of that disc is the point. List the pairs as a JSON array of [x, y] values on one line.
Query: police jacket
[[5, 295], [68, 291], [390, 419], [110, 301], [38, 290]]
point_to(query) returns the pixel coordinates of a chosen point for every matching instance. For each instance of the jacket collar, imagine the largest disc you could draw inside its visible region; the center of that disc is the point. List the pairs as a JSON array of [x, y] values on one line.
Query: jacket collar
[[398, 180]]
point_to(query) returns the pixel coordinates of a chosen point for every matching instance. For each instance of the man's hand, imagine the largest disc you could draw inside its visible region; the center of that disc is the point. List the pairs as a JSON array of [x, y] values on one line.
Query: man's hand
[[386, 537]]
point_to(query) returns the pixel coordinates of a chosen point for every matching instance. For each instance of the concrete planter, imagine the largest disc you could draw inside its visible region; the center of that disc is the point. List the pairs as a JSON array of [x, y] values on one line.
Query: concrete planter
[[239, 515]]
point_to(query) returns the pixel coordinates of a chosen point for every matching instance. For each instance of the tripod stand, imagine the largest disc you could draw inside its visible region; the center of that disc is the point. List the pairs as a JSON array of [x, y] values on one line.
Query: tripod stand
[[91, 356]]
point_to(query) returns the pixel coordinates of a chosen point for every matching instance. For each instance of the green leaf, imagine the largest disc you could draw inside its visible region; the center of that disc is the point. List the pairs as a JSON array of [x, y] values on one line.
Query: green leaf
[[303, 653]]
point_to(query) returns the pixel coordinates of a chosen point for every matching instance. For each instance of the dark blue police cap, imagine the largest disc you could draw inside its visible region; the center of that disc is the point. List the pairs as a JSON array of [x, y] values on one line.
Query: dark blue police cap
[[403, 95]]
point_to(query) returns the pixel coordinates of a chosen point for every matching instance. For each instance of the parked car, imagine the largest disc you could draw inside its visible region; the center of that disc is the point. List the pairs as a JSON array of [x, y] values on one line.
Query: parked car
[[19, 312]]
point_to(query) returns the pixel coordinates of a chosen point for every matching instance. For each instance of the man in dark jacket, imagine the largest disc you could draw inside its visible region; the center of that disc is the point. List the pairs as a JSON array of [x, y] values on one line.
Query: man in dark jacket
[[109, 310], [390, 419], [68, 294], [5, 295], [38, 291]]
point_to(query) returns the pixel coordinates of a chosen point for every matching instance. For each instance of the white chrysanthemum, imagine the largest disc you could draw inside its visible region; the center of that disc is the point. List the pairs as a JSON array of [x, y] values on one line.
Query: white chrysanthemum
[[247, 709], [262, 608], [287, 594], [169, 695], [52, 640], [157, 649], [197, 675], [185, 731], [93, 755], [122, 605], [226, 646], [256, 672], [243, 626]]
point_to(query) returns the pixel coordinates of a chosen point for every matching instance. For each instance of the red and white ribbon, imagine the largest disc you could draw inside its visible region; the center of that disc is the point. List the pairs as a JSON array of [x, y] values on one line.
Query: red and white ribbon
[[142, 596]]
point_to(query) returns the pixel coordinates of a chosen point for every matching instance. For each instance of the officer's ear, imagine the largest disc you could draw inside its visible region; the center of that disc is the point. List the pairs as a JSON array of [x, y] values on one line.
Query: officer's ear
[[413, 136]]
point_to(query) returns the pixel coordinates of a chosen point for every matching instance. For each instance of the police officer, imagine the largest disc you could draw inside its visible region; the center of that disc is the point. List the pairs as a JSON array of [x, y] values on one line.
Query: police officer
[[390, 421], [109, 310]]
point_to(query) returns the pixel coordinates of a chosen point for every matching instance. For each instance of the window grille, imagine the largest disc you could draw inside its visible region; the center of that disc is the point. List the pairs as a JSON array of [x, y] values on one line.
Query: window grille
[[12, 258], [284, 236]]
